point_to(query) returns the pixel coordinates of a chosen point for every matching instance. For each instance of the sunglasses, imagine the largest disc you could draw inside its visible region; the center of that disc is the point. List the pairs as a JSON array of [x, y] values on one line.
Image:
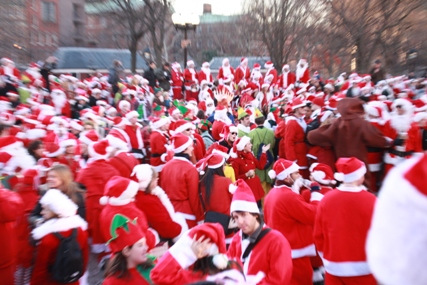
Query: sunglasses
[[233, 134], [399, 106], [188, 130]]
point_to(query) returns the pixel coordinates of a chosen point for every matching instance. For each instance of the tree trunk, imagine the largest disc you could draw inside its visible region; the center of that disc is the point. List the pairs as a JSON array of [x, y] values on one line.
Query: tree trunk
[[133, 48]]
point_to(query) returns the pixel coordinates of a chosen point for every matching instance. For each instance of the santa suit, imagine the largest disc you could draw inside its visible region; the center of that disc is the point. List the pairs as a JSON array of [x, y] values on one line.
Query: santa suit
[[273, 72], [158, 142], [303, 74], [199, 147], [190, 78], [94, 177], [322, 154], [224, 72], [131, 211], [180, 180], [295, 147], [340, 243], [176, 85], [62, 107], [205, 74], [47, 252], [242, 74], [244, 162], [123, 162], [11, 207], [135, 137], [271, 256], [397, 154], [288, 213], [11, 71], [134, 278], [161, 214], [286, 79]]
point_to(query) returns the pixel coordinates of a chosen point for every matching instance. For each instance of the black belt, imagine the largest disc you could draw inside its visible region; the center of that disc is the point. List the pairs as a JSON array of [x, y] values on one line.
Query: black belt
[[374, 149], [400, 153], [135, 150], [156, 154]]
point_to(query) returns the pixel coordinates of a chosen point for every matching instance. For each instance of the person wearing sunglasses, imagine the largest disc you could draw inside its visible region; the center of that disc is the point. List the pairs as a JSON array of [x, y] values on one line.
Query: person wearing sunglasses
[[229, 136]]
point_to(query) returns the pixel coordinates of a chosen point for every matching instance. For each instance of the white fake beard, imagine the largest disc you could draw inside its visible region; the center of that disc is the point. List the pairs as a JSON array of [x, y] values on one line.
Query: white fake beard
[[210, 110], [297, 185], [356, 91], [59, 101], [401, 123]]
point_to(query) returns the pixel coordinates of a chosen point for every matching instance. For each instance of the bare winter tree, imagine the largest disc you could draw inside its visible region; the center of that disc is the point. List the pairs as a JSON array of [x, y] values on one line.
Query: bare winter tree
[[370, 25]]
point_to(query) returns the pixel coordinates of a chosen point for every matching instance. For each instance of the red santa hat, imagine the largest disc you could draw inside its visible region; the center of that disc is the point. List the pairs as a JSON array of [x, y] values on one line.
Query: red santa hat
[[53, 150], [257, 66], [77, 125], [144, 174], [7, 118], [268, 65], [243, 60], [243, 198], [182, 125], [68, 142], [157, 123], [218, 149], [325, 115], [111, 110], [118, 139], [89, 137], [181, 142], [297, 103], [119, 191], [100, 149], [349, 169], [98, 110], [285, 66], [322, 173], [123, 232], [9, 142], [22, 109], [59, 203], [404, 103], [30, 177], [119, 122], [319, 101], [212, 161], [282, 168], [190, 62], [205, 64], [228, 78], [374, 111], [332, 104], [397, 231], [239, 145], [12, 93], [226, 130]]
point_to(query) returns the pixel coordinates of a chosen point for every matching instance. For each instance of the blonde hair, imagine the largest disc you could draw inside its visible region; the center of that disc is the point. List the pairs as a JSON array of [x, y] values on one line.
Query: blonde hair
[[68, 187]]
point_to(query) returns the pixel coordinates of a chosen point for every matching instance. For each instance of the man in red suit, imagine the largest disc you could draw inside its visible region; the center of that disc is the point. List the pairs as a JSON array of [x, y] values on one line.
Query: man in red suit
[[180, 180], [134, 131], [159, 140], [303, 73], [225, 70], [242, 73], [295, 147], [286, 78], [205, 73], [286, 210], [191, 82], [177, 81], [340, 243], [271, 74], [187, 128], [60, 102], [8, 68]]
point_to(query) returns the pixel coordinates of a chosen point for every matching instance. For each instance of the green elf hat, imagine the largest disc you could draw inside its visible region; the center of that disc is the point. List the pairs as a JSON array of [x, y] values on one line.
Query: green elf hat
[[156, 89], [184, 110], [258, 114], [124, 232], [204, 125], [241, 113]]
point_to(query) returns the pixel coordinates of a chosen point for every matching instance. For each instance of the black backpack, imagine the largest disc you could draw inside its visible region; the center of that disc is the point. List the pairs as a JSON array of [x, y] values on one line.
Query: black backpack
[[68, 266]]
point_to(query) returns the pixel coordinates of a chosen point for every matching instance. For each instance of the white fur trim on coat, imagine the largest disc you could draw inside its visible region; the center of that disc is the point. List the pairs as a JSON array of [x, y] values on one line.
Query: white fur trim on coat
[[59, 225]]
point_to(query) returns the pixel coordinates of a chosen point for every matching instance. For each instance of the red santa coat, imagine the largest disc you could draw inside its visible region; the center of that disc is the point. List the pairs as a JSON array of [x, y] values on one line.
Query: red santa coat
[[322, 155], [220, 197], [94, 177], [13, 72], [134, 278], [131, 211], [29, 197], [217, 129], [177, 80], [180, 181], [295, 147], [124, 163], [11, 207], [271, 256], [273, 72], [203, 76], [242, 74], [286, 79], [288, 213], [340, 243], [135, 136], [305, 77], [158, 142], [199, 147], [375, 155], [242, 164], [46, 253], [224, 72], [190, 77], [157, 215]]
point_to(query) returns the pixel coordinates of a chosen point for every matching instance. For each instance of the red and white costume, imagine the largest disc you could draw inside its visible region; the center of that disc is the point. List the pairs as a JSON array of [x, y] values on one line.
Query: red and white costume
[[123, 162], [271, 74], [205, 73], [302, 73], [242, 73], [177, 81], [159, 141], [191, 78], [295, 147], [225, 71], [8, 68], [286, 78], [340, 243]]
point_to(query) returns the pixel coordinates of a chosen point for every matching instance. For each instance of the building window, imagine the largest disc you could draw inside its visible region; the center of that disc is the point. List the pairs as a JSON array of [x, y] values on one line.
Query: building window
[[33, 38], [41, 39], [49, 12]]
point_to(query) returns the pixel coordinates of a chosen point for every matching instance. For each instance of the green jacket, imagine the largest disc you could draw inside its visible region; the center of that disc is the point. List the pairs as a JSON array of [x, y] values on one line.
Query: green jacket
[[258, 136]]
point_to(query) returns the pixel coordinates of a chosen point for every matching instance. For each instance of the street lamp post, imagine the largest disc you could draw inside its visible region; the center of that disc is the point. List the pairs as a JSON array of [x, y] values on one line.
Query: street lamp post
[[185, 23]]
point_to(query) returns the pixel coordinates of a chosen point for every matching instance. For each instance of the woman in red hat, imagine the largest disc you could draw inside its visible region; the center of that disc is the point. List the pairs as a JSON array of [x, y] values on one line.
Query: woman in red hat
[[244, 164]]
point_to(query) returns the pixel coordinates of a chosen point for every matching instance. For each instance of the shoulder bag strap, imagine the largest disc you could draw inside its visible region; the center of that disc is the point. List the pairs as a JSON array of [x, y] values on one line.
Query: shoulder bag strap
[[252, 245]]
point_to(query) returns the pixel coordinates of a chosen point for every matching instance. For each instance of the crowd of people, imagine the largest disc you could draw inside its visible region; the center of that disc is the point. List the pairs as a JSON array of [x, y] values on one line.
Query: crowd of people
[[177, 177]]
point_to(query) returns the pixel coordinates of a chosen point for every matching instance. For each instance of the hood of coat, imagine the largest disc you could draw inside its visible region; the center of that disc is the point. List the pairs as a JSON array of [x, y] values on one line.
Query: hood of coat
[[350, 108]]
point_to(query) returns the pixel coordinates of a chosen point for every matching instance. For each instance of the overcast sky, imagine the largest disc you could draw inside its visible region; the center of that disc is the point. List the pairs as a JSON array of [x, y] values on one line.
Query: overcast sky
[[223, 7]]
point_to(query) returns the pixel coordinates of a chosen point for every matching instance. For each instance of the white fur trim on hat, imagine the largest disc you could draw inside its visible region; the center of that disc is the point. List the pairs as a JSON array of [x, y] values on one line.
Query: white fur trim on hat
[[242, 143], [215, 166], [351, 177], [34, 134], [125, 198], [144, 174], [161, 122], [68, 142], [60, 150], [319, 176], [97, 156], [183, 127], [124, 103], [132, 114], [244, 206], [184, 146], [285, 173], [420, 116]]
